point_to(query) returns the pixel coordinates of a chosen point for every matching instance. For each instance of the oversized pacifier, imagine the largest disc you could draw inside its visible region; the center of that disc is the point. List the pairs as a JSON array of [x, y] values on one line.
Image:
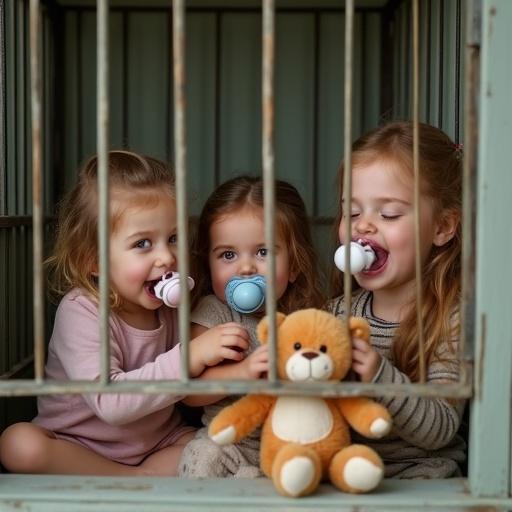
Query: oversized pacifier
[[245, 294], [361, 257], [168, 289]]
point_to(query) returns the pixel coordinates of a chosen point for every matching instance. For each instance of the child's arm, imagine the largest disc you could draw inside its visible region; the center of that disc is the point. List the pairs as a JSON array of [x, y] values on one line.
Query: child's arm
[[428, 423], [251, 368], [209, 347]]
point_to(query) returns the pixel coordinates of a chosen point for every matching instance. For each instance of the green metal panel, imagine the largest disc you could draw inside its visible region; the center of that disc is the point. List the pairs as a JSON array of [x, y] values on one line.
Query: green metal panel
[[132, 494], [70, 92], [295, 102], [369, 66], [11, 104], [116, 86], [240, 108], [490, 447], [202, 91], [148, 76], [87, 87]]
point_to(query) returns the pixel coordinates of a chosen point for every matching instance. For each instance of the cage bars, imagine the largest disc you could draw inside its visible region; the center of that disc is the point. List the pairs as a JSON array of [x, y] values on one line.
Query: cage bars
[[37, 386], [103, 186], [180, 145]]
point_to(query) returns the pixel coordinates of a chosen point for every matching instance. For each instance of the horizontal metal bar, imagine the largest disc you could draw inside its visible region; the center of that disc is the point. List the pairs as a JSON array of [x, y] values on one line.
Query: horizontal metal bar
[[31, 387]]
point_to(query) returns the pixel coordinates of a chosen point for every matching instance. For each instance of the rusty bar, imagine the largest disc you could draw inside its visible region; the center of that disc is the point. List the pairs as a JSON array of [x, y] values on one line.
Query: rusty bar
[[469, 169], [347, 144], [103, 185], [236, 387], [416, 167], [269, 175], [37, 189], [180, 150]]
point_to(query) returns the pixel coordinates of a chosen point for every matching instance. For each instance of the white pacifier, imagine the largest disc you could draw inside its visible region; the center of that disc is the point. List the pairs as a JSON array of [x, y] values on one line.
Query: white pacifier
[[362, 257], [168, 289]]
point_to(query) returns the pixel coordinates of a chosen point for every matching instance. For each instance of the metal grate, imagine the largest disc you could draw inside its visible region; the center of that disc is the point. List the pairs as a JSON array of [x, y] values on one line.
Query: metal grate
[[186, 386]]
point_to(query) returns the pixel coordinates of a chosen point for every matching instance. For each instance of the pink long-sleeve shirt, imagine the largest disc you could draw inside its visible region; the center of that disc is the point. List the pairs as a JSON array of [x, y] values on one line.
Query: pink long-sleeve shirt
[[121, 427]]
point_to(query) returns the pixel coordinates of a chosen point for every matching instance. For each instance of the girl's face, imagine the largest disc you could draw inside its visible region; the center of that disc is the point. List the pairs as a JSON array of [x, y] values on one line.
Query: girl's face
[[143, 247], [237, 248], [383, 217]]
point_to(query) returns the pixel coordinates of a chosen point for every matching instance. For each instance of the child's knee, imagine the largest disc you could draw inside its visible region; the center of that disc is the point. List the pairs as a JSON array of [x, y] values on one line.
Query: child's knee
[[24, 448]]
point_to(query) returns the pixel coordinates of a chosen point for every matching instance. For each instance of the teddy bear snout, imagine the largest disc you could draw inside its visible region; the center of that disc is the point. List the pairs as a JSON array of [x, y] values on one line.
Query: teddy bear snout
[[309, 355]]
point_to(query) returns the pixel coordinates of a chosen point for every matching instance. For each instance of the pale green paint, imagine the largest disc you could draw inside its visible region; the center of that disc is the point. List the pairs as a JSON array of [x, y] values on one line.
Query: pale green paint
[[64, 493], [490, 447]]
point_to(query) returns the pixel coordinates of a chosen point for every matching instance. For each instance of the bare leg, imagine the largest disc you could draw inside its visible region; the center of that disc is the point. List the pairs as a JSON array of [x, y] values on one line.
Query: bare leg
[[28, 448], [165, 461]]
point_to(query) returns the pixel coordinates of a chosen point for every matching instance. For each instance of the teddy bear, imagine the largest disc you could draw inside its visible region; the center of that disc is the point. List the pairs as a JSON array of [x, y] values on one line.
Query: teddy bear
[[306, 439]]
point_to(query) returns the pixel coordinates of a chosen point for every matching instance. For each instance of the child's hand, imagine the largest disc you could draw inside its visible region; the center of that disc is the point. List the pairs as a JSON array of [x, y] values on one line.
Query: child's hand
[[255, 364], [365, 360], [224, 341]]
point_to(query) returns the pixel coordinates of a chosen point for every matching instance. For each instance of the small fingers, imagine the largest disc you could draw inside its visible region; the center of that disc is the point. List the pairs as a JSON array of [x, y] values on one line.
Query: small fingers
[[361, 345], [232, 354]]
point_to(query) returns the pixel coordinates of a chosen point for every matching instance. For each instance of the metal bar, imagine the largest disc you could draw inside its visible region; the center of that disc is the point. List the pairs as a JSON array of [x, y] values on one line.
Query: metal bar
[[103, 185], [416, 167], [269, 176], [180, 150], [347, 144], [27, 387], [469, 169], [37, 193]]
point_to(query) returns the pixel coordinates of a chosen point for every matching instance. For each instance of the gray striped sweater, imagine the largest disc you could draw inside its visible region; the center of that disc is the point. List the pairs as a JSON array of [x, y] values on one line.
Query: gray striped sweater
[[424, 442]]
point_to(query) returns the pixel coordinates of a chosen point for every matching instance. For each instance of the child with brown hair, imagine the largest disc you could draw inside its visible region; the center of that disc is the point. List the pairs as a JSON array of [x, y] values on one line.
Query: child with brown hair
[[114, 434], [424, 441], [230, 263]]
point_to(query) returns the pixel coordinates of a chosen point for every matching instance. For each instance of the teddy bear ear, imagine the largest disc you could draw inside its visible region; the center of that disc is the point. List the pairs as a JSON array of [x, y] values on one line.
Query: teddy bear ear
[[359, 328], [262, 329]]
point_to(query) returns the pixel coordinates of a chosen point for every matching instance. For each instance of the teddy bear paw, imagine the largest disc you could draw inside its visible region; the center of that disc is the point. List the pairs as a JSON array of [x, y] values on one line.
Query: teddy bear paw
[[296, 475], [361, 474], [380, 427], [225, 436]]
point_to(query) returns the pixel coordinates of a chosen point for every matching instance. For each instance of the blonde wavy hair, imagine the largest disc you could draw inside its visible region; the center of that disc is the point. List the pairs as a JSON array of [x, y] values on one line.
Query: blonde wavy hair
[[441, 181], [74, 260], [293, 225]]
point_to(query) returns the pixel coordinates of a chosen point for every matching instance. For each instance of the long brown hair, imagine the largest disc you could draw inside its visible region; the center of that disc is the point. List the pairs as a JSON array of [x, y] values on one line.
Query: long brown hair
[[292, 223], [441, 180], [74, 261]]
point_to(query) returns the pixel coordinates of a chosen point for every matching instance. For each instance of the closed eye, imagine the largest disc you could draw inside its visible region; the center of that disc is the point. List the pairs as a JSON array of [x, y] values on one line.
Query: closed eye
[[390, 217]]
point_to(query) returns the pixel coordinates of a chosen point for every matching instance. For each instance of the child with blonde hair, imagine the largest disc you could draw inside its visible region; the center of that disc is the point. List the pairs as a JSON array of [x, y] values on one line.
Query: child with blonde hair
[[230, 263], [424, 442], [114, 434]]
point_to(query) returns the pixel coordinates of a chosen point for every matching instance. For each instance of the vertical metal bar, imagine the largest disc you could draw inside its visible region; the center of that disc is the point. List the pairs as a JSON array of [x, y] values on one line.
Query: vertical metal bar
[[268, 174], [180, 151], [37, 193], [416, 167], [103, 184], [347, 144], [471, 83]]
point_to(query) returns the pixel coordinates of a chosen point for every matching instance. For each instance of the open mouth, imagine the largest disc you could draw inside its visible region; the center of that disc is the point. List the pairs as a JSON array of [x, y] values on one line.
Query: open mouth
[[150, 285], [381, 256]]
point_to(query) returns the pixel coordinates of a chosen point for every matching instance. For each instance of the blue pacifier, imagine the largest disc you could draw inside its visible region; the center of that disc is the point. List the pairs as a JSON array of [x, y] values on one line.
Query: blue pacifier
[[245, 294]]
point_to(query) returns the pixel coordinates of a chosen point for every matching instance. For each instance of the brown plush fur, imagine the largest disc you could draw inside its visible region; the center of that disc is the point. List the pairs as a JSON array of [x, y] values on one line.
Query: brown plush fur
[[318, 432]]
